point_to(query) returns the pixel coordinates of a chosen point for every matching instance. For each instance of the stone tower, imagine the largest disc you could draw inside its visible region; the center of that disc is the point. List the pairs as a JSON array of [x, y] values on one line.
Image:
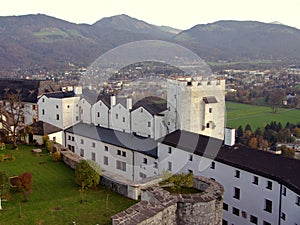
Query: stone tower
[[196, 106]]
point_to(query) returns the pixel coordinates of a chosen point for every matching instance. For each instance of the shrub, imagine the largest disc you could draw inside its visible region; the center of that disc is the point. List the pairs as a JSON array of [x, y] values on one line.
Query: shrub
[[87, 174], [2, 157], [56, 156], [24, 183]]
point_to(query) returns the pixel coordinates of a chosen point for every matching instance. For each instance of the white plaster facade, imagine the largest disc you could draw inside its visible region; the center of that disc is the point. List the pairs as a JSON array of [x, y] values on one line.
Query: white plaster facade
[[100, 114]]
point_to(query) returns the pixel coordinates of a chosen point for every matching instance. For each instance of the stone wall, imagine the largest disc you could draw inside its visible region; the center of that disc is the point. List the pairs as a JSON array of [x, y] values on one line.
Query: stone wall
[[160, 207]]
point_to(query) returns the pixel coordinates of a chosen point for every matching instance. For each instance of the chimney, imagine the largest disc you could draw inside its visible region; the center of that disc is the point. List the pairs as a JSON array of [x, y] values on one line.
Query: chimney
[[129, 103], [78, 90], [229, 136], [112, 100]]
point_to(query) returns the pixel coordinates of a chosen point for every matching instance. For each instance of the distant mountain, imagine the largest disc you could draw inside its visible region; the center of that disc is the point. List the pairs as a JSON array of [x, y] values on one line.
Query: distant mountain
[[47, 42], [242, 40]]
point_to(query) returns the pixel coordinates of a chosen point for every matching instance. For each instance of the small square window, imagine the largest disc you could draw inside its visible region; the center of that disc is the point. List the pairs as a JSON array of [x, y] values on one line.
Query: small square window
[[236, 193], [235, 211], [43, 111], [69, 137], [282, 216], [81, 152], [284, 191], [57, 116], [93, 156], [155, 165], [253, 219], [190, 171], [213, 165], [170, 150], [123, 119], [93, 144], [81, 141], [106, 148], [225, 206], [68, 106], [57, 106], [170, 166], [123, 154], [224, 222], [210, 110], [237, 174], [191, 158], [298, 200], [142, 175], [266, 223], [98, 114], [268, 205], [118, 152], [207, 125], [149, 124], [117, 115], [255, 180], [105, 160], [269, 185], [145, 161], [73, 138], [142, 110]]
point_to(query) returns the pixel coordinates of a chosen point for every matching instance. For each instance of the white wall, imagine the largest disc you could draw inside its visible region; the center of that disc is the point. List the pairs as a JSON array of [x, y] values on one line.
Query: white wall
[[120, 118], [85, 114], [148, 167], [30, 113], [100, 114], [139, 122], [289, 207]]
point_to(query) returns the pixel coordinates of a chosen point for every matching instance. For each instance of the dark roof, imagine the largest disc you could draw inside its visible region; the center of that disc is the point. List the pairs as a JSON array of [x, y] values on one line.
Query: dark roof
[[276, 167], [60, 94], [210, 99], [90, 96], [154, 105], [29, 89], [43, 128], [146, 146], [105, 98]]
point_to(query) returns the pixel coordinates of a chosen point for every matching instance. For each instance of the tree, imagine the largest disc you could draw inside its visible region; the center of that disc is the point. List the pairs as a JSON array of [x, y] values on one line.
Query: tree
[[87, 174], [248, 127], [239, 132], [296, 132], [56, 156], [287, 152], [253, 143], [24, 183], [180, 180], [12, 109]]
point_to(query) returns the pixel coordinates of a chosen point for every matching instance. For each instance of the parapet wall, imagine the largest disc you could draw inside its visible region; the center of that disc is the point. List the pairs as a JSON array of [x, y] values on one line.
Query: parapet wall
[[160, 207]]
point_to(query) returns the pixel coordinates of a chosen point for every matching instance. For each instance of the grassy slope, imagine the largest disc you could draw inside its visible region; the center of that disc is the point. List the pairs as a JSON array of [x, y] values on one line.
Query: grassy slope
[[258, 116], [54, 187]]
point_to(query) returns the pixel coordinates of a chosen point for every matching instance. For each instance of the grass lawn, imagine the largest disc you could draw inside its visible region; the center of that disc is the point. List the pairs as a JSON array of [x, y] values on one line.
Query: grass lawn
[[55, 195], [258, 116]]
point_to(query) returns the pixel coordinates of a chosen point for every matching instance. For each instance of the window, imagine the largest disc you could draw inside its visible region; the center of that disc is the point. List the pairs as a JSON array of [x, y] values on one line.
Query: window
[[142, 110], [81, 152], [105, 160], [81, 141], [269, 185], [170, 166], [72, 148], [284, 191], [282, 216], [123, 154], [57, 117], [266, 223], [149, 124], [268, 205], [253, 219], [93, 144], [143, 176], [170, 150], [213, 165], [191, 158], [106, 148], [236, 193], [43, 111], [297, 200], [69, 137], [155, 165], [210, 110], [224, 222], [57, 106], [93, 156], [69, 147], [98, 114], [77, 118], [73, 138], [123, 119], [255, 180], [237, 174], [121, 165], [33, 107], [145, 160], [68, 106], [119, 152], [235, 211], [225, 206], [190, 171], [117, 115], [43, 100], [207, 125]]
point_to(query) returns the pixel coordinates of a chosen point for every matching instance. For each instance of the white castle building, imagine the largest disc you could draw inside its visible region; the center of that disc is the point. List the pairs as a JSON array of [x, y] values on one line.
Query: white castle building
[[184, 134]]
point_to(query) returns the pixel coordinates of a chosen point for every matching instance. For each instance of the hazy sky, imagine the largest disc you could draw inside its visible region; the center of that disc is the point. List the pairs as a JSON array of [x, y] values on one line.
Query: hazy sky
[[175, 13]]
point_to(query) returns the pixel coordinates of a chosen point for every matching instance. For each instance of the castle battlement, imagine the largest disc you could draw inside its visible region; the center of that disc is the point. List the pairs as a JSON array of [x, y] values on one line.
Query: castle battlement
[[201, 83]]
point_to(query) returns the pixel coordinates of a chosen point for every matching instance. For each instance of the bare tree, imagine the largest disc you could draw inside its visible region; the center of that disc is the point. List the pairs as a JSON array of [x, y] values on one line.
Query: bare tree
[[12, 115]]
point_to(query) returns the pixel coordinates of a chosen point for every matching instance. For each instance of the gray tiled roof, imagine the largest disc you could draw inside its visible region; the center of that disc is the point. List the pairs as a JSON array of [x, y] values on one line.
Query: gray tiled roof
[[146, 146]]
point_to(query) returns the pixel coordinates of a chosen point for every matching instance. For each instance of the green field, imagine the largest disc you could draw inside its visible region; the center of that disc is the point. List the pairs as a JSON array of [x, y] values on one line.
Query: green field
[[258, 116], [55, 197]]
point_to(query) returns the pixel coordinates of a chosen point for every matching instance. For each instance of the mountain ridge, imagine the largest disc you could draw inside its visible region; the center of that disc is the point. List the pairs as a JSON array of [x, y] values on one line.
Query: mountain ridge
[[39, 40]]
